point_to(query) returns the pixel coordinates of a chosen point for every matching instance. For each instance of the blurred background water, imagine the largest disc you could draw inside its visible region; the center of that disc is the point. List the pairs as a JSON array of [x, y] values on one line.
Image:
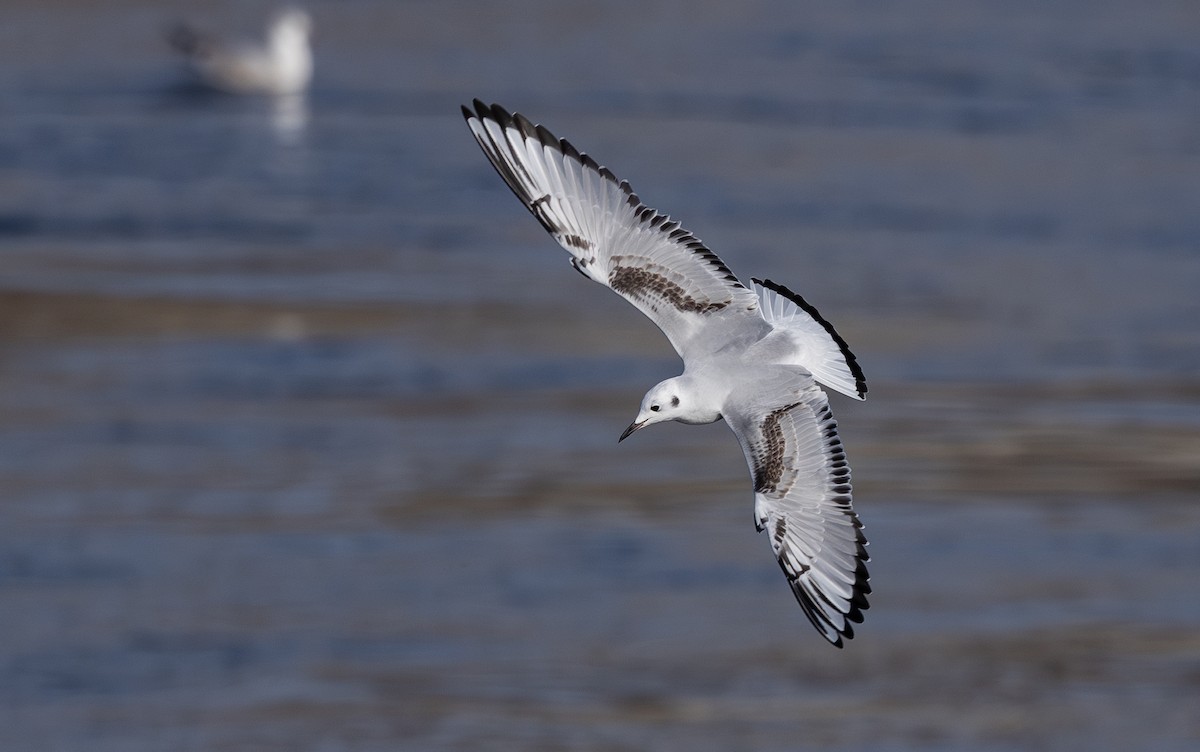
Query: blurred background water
[[307, 432]]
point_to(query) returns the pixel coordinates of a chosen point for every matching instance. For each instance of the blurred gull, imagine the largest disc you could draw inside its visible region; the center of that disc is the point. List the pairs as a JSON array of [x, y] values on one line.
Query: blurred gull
[[282, 64], [752, 356]]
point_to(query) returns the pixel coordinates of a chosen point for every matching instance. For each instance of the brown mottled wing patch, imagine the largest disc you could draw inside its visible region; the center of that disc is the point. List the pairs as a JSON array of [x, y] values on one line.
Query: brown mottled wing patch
[[613, 238], [770, 452], [802, 497], [652, 285]]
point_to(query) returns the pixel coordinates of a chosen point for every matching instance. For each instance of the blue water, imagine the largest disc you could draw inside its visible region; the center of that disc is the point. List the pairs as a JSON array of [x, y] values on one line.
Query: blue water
[[308, 432]]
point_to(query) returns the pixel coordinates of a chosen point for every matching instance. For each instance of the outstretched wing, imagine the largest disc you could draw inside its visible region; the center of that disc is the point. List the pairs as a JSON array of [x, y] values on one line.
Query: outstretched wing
[[820, 348], [615, 239], [802, 499]]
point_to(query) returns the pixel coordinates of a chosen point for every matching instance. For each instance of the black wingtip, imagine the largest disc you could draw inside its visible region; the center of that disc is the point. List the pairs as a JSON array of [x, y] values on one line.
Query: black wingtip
[[527, 127], [484, 111]]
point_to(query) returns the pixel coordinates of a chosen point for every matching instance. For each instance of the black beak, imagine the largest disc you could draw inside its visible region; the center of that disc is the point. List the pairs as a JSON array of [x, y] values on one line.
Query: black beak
[[632, 427]]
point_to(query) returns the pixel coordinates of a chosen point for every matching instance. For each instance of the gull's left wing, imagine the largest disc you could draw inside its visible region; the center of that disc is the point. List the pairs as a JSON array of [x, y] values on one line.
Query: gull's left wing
[[614, 238], [802, 497]]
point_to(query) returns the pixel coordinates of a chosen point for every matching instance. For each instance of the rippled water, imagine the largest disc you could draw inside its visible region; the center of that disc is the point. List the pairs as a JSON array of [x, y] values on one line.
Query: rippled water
[[307, 432]]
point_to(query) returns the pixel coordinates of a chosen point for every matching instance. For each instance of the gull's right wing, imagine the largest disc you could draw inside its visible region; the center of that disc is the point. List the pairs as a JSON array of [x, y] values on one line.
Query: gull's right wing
[[615, 239]]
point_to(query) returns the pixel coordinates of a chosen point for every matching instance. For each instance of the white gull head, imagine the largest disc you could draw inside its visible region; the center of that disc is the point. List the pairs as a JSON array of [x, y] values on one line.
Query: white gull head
[[674, 399], [288, 38]]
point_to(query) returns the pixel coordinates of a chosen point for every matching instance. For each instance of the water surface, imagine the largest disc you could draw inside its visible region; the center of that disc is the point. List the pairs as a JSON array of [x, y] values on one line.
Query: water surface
[[307, 431]]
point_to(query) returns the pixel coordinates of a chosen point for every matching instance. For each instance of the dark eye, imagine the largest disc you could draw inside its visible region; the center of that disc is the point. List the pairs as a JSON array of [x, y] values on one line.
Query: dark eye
[[654, 408], [674, 402]]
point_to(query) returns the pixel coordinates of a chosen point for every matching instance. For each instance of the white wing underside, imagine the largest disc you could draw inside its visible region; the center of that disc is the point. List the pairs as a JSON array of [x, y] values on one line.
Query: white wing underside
[[802, 499], [614, 239]]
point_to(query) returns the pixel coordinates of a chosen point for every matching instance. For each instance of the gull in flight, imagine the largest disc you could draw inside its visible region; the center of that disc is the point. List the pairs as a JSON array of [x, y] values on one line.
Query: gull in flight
[[282, 64], [752, 355]]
